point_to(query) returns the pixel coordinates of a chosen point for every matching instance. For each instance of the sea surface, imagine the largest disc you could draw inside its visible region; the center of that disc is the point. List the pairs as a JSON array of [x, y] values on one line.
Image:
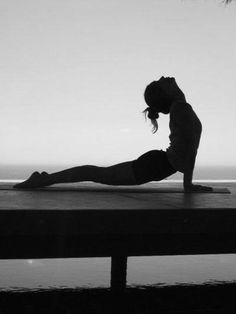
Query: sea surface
[[85, 273]]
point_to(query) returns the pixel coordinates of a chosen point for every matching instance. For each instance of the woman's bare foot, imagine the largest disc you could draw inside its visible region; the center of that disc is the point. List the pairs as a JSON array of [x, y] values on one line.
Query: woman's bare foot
[[36, 180]]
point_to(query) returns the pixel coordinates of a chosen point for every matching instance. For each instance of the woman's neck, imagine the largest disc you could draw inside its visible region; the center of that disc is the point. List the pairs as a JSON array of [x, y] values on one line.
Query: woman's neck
[[180, 98]]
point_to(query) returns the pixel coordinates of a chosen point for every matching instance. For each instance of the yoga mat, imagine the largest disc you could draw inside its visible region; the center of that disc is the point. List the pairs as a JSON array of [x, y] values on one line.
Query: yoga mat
[[115, 189]]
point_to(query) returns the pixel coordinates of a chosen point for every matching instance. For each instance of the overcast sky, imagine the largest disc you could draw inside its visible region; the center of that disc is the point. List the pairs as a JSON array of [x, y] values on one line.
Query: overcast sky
[[73, 73]]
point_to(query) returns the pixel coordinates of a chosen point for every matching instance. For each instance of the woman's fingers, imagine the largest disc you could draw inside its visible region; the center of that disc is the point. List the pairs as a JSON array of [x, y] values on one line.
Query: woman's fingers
[[198, 188], [206, 188]]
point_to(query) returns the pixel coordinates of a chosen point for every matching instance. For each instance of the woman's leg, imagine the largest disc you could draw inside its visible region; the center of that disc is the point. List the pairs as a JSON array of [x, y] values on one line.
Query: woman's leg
[[119, 174]]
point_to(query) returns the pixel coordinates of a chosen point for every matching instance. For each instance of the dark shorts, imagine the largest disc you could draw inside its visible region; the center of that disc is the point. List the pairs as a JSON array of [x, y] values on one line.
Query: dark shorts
[[152, 166]]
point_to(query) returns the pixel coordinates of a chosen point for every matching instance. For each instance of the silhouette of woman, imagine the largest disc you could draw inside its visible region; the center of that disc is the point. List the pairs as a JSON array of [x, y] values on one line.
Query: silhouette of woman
[[162, 96]]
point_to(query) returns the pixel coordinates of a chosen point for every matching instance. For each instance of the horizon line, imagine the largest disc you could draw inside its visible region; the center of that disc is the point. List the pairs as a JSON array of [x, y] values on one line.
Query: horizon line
[[153, 182]]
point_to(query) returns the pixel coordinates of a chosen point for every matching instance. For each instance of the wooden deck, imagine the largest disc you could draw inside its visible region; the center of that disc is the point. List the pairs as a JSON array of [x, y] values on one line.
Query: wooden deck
[[85, 196], [81, 220], [98, 217]]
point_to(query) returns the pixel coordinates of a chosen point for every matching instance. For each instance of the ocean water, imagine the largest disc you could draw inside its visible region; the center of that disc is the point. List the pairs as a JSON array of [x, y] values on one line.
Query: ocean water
[[146, 271]]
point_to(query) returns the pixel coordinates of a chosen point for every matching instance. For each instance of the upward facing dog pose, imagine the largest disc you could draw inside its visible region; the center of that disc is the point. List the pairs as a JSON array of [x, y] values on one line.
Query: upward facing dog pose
[[162, 96]]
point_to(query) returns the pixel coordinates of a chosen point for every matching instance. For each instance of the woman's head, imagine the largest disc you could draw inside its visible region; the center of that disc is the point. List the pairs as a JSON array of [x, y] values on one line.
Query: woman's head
[[159, 96]]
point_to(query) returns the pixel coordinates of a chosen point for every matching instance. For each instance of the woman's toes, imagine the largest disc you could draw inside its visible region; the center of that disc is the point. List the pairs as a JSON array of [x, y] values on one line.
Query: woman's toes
[[44, 173], [34, 175], [33, 181]]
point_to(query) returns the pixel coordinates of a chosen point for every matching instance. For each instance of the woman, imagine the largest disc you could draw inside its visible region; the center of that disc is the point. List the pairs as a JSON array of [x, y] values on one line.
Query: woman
[[162, 96]]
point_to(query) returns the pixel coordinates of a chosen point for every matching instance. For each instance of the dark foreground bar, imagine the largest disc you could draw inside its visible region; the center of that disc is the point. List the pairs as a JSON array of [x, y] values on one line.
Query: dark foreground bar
[[189, 299], [35, 224]]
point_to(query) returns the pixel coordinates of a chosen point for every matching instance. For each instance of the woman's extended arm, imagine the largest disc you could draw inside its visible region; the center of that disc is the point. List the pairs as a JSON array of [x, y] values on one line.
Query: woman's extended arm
[[189, 165], [191, 130], [189, 187]]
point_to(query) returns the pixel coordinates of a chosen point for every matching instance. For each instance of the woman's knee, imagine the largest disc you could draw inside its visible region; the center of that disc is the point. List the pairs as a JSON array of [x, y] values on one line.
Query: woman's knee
[[99, 174], [119, 174]]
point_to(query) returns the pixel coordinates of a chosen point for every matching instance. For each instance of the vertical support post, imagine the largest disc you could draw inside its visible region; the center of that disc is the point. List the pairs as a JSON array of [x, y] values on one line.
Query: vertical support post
[[118, 273]]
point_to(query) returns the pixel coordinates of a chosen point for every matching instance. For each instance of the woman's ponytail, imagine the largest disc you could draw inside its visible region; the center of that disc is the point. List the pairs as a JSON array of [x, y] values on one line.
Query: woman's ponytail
[[153, 115], [151, 95]]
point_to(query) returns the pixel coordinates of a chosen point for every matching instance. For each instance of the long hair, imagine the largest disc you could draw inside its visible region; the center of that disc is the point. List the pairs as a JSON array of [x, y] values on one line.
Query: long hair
[[159, 96], [153, 116], [152, 95]]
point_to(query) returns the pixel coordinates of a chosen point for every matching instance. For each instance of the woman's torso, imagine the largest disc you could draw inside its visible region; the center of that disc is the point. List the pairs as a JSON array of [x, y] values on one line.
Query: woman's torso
[[185, 130]]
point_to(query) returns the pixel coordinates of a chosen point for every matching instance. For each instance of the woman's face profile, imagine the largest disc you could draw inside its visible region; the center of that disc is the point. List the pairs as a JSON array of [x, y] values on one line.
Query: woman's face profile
[[162, 96], [163, 102], [169, 85], [171, 91], [167, 82]]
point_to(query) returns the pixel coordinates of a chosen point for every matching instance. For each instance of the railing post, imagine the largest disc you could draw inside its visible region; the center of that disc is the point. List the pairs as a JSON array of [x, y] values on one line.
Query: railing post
[[118, 273]]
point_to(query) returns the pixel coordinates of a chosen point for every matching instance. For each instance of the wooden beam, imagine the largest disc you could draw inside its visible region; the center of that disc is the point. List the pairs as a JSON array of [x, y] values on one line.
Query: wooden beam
[[118, 273]]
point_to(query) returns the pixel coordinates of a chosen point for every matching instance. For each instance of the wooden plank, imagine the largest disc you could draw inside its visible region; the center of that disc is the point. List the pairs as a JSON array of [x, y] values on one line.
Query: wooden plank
[[70, 233], [127, 189], [121, 199], [118, 273], [101, 246], [117, 222]]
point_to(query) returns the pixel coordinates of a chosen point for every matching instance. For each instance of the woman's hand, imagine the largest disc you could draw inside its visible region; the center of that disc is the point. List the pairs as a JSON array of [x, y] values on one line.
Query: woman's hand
[[195, 188]]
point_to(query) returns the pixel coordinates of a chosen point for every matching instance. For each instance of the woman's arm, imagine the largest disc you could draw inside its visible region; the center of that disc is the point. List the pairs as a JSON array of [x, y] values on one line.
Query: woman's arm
[[189, 187], [190, 125], [189, 165]]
